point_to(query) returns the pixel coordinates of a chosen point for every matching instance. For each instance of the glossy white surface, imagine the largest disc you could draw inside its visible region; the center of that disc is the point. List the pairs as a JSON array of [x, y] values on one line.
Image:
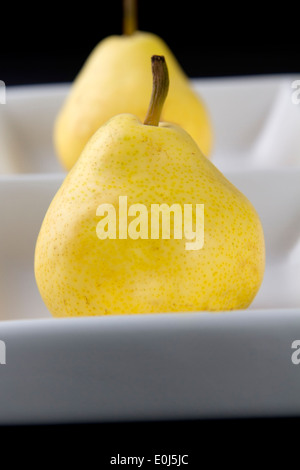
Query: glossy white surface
[[153, 366], [254, 118]]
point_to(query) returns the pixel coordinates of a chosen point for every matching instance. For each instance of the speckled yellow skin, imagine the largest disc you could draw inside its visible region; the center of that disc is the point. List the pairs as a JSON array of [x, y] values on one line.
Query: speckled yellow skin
[[78, 274], [117, 78]]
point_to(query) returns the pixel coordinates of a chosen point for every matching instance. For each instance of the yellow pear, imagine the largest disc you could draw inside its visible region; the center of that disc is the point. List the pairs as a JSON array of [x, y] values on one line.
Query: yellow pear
[[102, 248], [115, 79]]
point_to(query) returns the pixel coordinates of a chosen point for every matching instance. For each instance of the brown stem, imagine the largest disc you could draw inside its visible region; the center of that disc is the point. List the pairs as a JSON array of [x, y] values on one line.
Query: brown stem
[[129, 16], [160, 89]]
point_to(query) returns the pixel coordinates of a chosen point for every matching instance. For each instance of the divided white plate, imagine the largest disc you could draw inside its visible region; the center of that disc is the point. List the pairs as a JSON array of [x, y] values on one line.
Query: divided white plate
[[152, 366], [256, 123]]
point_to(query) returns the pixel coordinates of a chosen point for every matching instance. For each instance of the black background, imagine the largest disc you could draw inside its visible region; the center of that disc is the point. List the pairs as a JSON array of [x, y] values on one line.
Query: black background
[[209, 444], [48, 43]]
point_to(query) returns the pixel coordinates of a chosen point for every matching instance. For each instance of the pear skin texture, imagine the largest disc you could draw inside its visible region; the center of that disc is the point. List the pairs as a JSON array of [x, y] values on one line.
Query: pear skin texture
[[79, 274], [117, 78]]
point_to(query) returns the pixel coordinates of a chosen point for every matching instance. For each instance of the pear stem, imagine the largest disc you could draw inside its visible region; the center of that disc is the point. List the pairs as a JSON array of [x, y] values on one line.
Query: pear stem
[[160, 90], [129, 16]]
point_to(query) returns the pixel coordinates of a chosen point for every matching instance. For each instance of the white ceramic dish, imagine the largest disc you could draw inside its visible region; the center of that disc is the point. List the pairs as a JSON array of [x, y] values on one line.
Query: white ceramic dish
[[152, 366], [255, 122]]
